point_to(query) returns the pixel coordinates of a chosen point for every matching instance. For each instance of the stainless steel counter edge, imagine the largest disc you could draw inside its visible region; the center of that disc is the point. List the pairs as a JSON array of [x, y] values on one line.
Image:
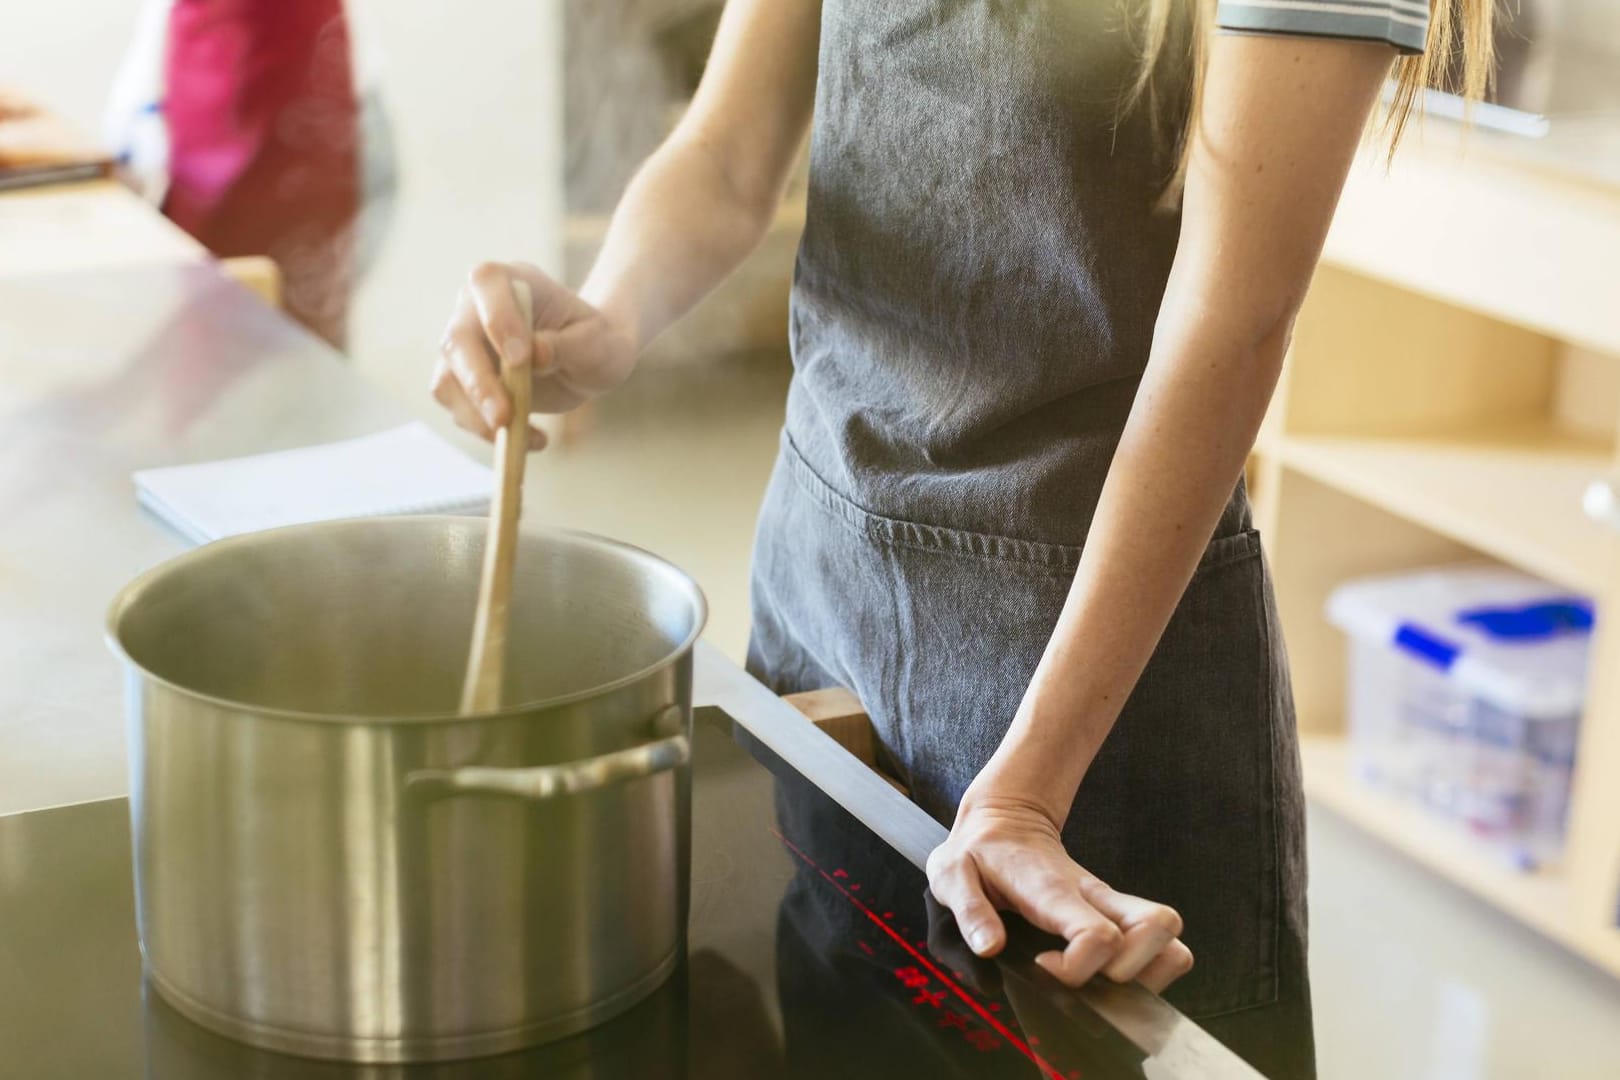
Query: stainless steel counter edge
[[68, 805], [1177, 1045]]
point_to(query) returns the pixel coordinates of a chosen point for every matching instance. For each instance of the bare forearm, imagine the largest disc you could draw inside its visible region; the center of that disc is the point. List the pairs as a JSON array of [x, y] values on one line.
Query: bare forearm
[[1196, 416], [680, 228], [1279, 128], [703, 201]]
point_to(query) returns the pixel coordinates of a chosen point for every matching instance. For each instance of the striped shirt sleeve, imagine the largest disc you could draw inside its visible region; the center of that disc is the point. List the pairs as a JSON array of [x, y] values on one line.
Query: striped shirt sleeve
[[1402, 23]]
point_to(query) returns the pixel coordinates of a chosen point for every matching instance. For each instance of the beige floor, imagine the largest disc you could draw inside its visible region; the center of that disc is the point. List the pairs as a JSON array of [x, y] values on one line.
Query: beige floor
[[1413, 979]]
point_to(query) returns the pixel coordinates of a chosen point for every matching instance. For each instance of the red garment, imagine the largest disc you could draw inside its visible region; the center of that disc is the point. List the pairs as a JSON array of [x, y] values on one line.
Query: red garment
[[263, 131]]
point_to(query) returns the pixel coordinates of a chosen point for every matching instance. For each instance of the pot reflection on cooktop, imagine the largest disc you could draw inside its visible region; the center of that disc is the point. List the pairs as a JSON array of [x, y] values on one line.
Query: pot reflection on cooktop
[[813, 950]]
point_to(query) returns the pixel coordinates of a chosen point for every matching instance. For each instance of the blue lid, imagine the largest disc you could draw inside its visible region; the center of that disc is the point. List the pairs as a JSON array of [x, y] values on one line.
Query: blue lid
[[1532, 622], [1430, 648]]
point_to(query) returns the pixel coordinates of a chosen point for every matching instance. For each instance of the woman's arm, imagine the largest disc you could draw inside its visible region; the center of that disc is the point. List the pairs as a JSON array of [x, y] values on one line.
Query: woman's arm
[[694, 210], [703, 201], [1280, 123]]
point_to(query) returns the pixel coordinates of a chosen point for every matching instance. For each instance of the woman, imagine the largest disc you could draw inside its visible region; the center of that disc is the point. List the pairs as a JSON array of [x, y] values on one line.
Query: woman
[[262, 121], [1034, 334]]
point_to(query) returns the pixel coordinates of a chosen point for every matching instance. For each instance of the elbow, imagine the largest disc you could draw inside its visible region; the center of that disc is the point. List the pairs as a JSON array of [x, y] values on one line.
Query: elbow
[[1269, 342], [749, 186], [1250, 329]]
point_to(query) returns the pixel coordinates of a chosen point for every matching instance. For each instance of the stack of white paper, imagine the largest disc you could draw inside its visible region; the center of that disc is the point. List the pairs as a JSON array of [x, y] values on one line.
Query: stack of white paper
[[406, 470]]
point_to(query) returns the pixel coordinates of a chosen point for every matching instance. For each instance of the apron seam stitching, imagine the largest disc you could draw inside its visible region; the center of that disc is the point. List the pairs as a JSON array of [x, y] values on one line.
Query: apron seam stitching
[[1057, 559], [1269, 963], [965, 543]]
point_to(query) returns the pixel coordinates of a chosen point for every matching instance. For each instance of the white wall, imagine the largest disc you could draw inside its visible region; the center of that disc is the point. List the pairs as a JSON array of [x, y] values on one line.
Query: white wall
[[474, 92], [1593, 20], [66, 51]]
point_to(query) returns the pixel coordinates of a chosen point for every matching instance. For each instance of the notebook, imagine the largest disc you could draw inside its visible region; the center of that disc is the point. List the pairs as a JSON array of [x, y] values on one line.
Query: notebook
[[405, 470]]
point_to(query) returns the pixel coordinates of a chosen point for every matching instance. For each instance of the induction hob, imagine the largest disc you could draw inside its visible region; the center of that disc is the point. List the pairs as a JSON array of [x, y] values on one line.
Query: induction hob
[[813, 950]]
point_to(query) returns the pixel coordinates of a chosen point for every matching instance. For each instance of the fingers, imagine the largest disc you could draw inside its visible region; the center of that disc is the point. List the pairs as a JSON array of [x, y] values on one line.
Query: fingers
[[572, 365], [1148, 929], [1004, 854], [1057, 907], [448, 391], [1122, 937], [578, 355], [490, 288], [1110, 933], [465, 349], [1171, 964], [543, 352], [946, 943], [954, 881], [554, 390]]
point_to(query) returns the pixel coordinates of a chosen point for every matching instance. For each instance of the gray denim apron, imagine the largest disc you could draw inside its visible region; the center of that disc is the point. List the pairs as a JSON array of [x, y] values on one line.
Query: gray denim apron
[[972, 310]]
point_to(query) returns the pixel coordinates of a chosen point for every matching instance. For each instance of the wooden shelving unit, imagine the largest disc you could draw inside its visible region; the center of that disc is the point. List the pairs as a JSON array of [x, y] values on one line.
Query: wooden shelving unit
[[1452, 389], [1514, 495], [1542, 899]]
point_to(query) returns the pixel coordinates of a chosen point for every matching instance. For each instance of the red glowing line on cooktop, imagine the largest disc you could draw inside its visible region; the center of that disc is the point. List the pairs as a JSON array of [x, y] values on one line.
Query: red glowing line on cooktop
[[973, 1003]]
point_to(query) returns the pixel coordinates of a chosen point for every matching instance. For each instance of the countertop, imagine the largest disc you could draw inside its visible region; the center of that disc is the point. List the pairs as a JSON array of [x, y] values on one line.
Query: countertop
[[101, 374], [95, 224]]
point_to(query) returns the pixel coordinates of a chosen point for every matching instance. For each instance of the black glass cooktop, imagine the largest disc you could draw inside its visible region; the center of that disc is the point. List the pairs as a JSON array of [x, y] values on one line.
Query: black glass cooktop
[[813, 950]]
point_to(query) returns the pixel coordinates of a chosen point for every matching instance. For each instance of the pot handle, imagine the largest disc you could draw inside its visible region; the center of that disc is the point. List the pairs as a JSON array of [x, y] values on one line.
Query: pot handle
[[570, 777]]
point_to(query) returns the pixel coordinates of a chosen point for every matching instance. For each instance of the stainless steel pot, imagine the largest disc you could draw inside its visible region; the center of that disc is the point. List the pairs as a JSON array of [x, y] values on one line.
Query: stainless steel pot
[[329, 861]]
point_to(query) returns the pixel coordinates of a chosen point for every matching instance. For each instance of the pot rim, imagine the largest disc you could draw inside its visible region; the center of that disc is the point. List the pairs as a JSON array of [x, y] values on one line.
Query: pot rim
[[131, 592]]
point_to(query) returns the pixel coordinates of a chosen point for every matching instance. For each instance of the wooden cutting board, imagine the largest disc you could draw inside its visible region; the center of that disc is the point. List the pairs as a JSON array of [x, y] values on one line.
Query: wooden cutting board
[[39, 147]]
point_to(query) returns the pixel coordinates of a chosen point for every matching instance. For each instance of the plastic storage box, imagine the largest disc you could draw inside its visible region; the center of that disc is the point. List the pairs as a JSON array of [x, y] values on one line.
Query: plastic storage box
[[1465, 691]]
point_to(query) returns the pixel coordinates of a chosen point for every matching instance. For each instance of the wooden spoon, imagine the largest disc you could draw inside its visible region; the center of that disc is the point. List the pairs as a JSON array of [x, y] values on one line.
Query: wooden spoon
[[486, 666]]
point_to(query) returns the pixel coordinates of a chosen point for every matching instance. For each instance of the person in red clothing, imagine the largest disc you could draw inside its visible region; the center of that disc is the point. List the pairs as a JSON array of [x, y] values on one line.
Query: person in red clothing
[[263, 120]]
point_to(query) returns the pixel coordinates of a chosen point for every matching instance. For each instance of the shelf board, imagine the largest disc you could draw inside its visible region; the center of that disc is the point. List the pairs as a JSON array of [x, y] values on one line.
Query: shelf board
[[1539, 900], [1512, 493], [1491, 232]]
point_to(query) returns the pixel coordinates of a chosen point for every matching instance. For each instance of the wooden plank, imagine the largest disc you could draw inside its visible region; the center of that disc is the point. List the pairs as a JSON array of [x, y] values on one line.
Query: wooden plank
[[1594, 812], [1588, 395], [1454, 384], [1369, 358], [259, 274], [1512, 492], [841, 715], [1485, 233], [832, 704]]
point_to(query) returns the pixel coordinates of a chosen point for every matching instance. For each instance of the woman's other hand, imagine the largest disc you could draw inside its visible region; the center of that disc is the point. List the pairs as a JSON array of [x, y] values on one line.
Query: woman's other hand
[[573, 351], [1006, 853]]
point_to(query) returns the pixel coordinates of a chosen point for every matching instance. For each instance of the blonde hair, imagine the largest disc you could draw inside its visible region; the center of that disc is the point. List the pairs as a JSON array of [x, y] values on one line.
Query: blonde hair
[[1458, 57]]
